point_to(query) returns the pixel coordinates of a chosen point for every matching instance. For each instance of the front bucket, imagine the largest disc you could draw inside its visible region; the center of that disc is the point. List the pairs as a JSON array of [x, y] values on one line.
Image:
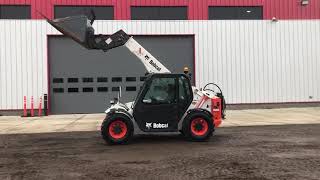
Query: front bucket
[[76, 27]]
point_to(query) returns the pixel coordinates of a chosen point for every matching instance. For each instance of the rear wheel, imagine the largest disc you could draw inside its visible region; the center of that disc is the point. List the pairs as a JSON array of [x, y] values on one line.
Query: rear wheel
[[117, 129], [198, 126]]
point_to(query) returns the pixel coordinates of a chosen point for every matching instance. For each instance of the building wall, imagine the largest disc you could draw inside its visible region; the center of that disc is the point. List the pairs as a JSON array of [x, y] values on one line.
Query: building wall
[[197, 9], [253, 61]]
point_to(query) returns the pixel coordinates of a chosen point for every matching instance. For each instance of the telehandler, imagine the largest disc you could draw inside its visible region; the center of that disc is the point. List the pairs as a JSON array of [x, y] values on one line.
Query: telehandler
[[166, 102]]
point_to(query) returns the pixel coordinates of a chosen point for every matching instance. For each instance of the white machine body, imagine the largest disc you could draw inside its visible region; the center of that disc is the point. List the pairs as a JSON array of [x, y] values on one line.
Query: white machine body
[[151, 64]]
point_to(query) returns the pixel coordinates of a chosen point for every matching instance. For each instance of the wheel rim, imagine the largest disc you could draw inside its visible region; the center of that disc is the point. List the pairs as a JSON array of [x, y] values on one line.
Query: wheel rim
[[199, 126], [118, 129]]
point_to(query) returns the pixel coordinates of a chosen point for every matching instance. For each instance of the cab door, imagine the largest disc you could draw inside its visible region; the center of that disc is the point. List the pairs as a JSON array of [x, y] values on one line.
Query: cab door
[[156, 109]]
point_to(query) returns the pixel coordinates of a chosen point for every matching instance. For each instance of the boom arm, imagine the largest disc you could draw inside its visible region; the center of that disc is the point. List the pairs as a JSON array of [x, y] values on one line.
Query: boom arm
[[150, 62], [79, 29]]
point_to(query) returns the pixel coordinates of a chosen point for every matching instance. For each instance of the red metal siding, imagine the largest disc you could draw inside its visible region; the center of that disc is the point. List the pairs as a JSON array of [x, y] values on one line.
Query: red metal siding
[[197, 9], [291, 9]]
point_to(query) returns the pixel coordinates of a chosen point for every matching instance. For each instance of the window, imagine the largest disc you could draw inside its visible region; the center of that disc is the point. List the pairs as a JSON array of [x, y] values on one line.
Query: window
[[131, 88], [116, 79], [72, 80], [236, 12], [159, 13], [101, 12], [184, 92], [87, 80], [102, 89], [15, 12], [130, 79], [102, 79], [73, 90], [161, 91], [87, 89], [58, 90], [114, 89], [57, 80]]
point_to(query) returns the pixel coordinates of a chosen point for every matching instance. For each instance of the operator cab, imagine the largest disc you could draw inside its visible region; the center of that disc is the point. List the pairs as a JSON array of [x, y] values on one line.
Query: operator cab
[[162, 101]]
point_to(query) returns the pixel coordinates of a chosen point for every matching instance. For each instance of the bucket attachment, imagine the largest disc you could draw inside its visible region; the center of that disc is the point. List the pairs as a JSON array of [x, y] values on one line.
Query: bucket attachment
[[76, 27], [80, 29]]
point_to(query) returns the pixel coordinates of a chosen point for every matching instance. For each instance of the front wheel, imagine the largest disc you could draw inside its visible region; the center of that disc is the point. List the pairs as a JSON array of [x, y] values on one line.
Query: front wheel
[[117, 129], [198, 126]]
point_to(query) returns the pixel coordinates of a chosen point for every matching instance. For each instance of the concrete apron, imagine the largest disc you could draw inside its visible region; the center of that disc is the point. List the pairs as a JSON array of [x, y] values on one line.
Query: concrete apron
[[92, 122]]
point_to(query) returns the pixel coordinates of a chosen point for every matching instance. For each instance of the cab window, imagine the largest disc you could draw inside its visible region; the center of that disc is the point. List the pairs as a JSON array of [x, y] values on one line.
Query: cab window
[[184, 89], [161, 91]]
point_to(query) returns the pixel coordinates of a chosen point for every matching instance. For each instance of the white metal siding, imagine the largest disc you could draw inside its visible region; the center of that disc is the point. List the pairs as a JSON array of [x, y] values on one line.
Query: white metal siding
[[253, 61]]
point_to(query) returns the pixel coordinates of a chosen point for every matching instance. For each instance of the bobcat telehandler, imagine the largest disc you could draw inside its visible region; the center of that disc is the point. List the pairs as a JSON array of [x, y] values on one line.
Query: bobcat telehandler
[[166, 101]]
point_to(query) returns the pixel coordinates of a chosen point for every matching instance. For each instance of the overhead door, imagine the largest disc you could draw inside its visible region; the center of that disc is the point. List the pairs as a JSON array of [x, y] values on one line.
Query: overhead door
[[84, 81]]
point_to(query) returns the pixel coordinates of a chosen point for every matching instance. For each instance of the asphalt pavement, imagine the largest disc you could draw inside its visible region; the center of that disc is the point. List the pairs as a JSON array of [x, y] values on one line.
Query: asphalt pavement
[[92, 122]]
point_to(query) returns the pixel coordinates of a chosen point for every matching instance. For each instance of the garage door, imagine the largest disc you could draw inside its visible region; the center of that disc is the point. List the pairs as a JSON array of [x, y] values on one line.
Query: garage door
[[83, 81]]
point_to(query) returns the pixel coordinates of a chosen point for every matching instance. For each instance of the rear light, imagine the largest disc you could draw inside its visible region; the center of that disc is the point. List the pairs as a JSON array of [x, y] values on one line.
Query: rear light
[[216, 111]]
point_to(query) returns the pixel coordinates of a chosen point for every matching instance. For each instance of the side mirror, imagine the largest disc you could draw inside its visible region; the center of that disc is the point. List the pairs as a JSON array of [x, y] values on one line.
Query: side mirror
[[147, 101]]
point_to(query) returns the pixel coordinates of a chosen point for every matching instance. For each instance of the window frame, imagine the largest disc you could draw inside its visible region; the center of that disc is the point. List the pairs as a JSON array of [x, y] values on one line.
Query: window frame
[[134, 9], [85, 8], [236, 10], [186, 87], [161, 103], [27, 6]]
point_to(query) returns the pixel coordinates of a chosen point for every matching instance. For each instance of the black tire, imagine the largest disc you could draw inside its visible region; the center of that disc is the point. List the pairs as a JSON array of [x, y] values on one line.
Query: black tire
[[187, 127], [108, 135]]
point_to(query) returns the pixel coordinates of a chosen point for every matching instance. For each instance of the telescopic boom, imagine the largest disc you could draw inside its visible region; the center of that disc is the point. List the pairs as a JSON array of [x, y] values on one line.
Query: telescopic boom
[[80, 29]]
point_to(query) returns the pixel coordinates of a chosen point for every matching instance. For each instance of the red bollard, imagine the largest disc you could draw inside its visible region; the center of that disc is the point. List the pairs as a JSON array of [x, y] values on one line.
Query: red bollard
[[25, 106], [40, 107], [32, 110]]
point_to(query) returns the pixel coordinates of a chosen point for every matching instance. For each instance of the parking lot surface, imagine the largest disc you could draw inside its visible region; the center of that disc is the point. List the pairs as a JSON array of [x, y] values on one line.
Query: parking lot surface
[[92, 122], [287, 148]]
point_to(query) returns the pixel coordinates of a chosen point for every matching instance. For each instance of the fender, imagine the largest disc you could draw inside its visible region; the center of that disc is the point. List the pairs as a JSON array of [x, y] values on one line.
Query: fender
[[191, 111], [120, 111], [119, 108], [200, 110]]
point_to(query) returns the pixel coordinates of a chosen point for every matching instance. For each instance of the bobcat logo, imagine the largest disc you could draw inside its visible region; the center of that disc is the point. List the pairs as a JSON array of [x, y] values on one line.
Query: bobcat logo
[[156, 125], [148, 125]]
